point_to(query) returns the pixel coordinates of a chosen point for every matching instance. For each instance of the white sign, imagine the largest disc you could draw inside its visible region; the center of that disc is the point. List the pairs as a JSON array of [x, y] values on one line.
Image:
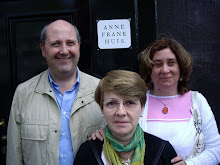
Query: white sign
[[114, 34]]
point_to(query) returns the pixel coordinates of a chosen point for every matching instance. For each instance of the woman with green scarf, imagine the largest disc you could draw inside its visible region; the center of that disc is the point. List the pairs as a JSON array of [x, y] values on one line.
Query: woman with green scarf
[[122, 95]]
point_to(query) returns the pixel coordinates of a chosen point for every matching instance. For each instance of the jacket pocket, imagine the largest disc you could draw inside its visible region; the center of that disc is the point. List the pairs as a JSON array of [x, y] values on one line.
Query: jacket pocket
[[34, 143]]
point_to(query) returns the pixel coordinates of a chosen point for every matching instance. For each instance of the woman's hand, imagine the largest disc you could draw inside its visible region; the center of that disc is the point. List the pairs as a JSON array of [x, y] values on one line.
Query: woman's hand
[[98, 134], [178, 160]]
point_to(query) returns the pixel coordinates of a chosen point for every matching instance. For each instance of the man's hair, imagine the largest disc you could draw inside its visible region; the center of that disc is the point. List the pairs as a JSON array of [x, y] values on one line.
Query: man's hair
[[126, 84], [183, 58], [43, 34]]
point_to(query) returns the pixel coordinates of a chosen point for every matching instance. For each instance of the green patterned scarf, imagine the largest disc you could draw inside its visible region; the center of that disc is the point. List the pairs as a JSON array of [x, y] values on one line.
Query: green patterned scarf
[[111, 145]]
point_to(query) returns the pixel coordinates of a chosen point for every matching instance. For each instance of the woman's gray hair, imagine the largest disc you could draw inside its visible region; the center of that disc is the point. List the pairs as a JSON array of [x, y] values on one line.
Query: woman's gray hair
[[127, 84]]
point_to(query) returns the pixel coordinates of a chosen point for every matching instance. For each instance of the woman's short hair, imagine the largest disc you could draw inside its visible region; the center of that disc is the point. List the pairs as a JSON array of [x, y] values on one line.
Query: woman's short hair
[[126, 84], [183, 58]]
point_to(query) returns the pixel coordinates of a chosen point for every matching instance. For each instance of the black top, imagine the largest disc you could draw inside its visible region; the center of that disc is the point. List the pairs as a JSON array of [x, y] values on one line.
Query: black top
[[85, 155]]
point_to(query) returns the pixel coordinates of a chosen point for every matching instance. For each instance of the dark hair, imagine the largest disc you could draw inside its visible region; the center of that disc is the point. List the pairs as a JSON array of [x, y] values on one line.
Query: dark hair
[[183, 58], [43, 34], [126, 84]]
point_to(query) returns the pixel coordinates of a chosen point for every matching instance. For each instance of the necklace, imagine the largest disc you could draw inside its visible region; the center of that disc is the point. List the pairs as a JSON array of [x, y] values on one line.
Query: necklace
[[165, 108], [128, 161]]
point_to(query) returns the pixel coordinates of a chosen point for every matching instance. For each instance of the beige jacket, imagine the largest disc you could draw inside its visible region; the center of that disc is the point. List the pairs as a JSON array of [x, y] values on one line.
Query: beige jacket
[[34, 122]]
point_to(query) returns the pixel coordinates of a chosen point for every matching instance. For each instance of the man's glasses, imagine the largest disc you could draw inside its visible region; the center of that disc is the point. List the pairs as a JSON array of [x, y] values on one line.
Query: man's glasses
[[114, 104]]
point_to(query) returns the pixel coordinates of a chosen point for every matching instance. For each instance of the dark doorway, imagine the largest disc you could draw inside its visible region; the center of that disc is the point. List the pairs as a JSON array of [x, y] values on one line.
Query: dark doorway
[[21, 22]]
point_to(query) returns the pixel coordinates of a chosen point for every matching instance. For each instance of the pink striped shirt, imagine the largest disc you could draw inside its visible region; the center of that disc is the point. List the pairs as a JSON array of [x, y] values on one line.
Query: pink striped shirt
[[178, 108]]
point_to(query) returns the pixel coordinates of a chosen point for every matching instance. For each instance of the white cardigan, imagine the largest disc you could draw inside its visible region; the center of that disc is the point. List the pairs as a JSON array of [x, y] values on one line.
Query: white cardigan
[[185, 134]]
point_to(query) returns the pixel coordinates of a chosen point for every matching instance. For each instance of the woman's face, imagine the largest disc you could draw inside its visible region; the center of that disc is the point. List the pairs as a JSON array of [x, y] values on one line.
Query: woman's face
[[165, 72], [121, 115]]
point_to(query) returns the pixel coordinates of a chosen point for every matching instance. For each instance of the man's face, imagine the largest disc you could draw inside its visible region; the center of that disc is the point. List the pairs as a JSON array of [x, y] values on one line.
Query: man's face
[[61, 49]]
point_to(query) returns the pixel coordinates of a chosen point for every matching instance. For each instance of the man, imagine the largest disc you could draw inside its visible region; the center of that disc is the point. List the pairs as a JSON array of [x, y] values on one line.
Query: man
[[53, 112]]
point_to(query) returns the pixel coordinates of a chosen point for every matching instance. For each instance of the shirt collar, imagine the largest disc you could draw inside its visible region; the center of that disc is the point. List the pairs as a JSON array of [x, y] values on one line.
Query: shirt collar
[[53, 84]]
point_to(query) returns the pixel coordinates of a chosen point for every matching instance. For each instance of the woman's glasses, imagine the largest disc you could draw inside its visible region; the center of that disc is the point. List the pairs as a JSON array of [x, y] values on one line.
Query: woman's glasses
[[114, 104]]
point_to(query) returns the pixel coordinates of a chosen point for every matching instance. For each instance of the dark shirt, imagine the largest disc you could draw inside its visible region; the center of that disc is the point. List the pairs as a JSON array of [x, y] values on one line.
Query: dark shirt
[[85, 154]]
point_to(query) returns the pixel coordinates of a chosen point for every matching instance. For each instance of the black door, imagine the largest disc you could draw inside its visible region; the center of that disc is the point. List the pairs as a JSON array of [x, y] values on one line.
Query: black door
[[22, 20]]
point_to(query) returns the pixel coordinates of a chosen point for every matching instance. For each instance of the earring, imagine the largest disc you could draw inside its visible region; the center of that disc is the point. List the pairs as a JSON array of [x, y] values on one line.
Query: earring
[[141, 115], [181, 78]]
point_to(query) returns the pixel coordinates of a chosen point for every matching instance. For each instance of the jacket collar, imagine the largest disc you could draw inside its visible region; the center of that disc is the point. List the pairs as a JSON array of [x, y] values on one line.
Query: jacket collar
[[43, 85]]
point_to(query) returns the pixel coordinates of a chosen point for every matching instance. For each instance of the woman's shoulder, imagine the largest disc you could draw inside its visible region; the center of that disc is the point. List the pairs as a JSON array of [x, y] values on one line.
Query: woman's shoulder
[[85, 153], [201, 101], [199, 95], [149, 138], [157, 142], [87, 145], [156, 145]]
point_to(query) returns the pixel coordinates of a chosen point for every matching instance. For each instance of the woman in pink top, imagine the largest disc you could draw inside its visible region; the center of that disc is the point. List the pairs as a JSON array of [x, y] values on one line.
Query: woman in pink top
[[166, 67]]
